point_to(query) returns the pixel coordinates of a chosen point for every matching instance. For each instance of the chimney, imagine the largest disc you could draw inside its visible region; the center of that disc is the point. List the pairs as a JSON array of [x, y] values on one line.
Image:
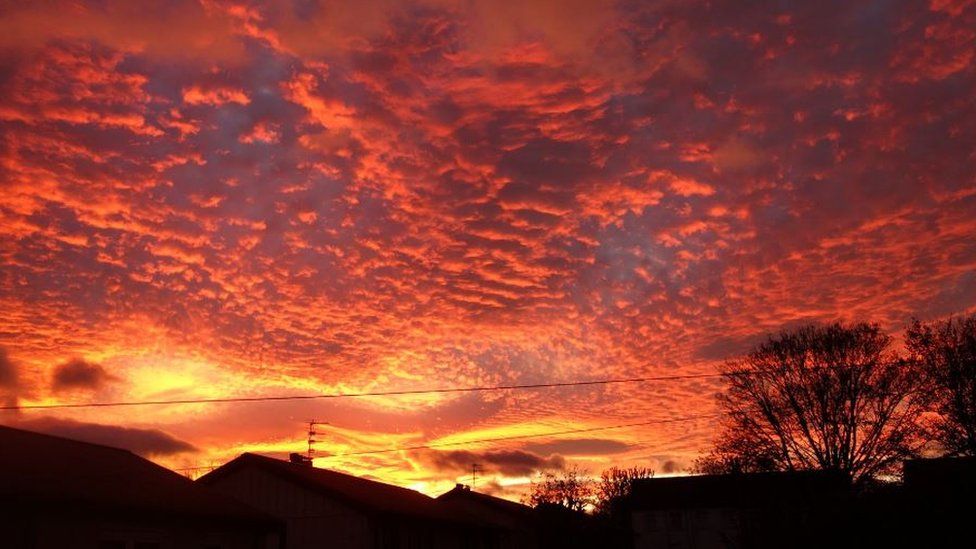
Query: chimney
[[299, 459]]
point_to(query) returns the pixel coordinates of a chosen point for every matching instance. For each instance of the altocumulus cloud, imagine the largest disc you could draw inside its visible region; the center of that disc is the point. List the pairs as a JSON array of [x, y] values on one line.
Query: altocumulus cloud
[[478, 193], [80, 374]]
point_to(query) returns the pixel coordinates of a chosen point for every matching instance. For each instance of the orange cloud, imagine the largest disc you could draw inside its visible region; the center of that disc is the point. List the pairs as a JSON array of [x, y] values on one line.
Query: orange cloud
[[445, 194], [197, 95]]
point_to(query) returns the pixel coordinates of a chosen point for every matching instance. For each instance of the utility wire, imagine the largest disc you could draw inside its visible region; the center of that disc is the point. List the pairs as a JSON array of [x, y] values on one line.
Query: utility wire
[[324, 396], [501, 439], [521, 437]]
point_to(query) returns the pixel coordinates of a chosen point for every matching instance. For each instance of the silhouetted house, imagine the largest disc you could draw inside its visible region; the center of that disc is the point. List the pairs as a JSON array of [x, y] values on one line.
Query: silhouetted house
[[745, 510], [58, 493], [324, 508], [516, 525], [946, 479], [936, 505]]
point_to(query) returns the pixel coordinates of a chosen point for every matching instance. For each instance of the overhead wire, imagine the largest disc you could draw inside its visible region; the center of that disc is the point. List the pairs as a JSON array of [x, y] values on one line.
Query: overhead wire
[[363, 394], [547, 434], [519, 437]]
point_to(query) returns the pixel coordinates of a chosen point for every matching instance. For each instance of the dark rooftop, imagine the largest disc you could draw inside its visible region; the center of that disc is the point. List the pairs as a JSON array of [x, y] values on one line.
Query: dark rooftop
[[49, 472], [501, 505], [365, 494], [737, 490]]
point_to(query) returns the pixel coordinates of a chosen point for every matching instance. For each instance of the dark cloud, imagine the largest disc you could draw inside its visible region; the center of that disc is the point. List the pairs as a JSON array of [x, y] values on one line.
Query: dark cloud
[[80, 374], [667, 464], [146, 442], [579, 447], [8, 372], [670, 466], [9, 381], [506, 462]]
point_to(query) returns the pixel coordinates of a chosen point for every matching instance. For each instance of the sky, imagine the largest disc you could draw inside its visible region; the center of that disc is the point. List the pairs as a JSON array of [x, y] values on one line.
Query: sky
[[209, 199]]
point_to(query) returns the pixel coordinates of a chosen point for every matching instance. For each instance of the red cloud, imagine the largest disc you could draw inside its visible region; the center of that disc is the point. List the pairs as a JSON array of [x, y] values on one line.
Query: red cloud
[[198, 95], [475, 196]]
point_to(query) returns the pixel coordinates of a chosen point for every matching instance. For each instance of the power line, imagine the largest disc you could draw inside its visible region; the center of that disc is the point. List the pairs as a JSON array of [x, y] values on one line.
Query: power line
[[520, 437], [324, 396], [505, 438]]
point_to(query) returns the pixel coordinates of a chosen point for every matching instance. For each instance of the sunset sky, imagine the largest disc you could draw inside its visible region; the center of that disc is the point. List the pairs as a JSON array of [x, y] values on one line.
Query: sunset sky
[[207, 199]]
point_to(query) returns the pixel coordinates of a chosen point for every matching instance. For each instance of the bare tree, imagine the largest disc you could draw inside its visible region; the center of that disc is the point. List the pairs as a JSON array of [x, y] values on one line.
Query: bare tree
[[570, 489], [615, 484], [946, 352], [832, 397]]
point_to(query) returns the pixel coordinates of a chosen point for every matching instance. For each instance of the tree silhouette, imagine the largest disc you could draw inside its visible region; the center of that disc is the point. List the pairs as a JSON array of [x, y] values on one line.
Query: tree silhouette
[[570, 489], [946, 352], [615, 484], [832, 397]]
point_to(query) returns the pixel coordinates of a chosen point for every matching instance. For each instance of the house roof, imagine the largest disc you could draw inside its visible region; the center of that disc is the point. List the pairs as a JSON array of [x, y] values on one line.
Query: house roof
[[487, 509], [461, 492], [737, 490], [364, 494], [49, 472]]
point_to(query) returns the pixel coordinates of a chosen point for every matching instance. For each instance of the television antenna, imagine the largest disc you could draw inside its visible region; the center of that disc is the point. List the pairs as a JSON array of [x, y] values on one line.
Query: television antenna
[[312, 433]]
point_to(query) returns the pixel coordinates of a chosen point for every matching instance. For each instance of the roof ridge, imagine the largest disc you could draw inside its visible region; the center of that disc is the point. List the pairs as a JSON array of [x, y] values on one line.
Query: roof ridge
[[71, 440], [355, 478], [491, 498], [44, 468]]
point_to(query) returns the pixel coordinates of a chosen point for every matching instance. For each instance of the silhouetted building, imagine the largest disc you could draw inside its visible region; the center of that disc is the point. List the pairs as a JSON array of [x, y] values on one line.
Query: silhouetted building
[[935, 505], [324, 508], [944, 479], [516, 525], [58, 493], [744, 510]]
